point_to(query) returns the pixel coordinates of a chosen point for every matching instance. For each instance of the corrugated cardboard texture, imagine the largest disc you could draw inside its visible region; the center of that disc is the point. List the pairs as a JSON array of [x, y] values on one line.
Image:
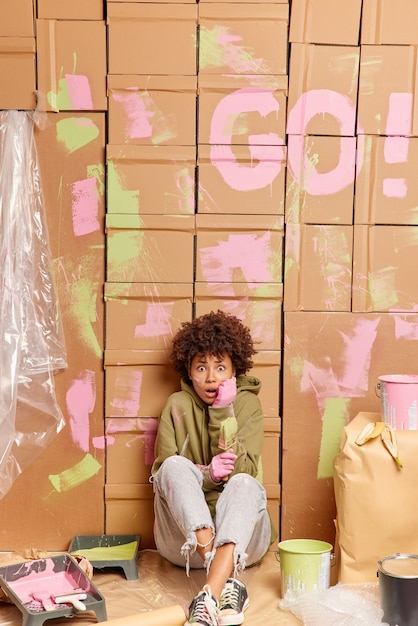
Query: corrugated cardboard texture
[[244, 248], [17, 18], [71, 62], [320, 179], [386, 185], [74, 10], [326, 22], [387, 102], [151, 179], [318, 262], [152, 38], [17, 58], [322, 89], [152, 110], [243, 38], [384, 273]]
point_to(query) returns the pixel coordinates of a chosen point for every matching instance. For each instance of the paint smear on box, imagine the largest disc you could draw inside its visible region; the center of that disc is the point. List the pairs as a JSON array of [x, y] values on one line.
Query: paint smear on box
[[405, 329], [143, 119], [249, 253], [157, 323], [76, 475], [123, 253], [79, 92], [78, 290], [219, 47], [120, 199], [336, 416], [76, 132], [85, 207], [81, 400], [126, 400]]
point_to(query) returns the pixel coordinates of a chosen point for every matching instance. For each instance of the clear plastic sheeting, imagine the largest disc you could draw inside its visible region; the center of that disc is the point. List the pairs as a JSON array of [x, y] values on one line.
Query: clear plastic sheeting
[[345, 605], [31, 334]]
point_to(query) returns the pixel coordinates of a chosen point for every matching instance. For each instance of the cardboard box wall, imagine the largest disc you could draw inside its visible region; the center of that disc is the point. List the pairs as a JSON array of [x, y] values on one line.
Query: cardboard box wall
[[61, 494], [71, 65], [323, 83], [320, 179], [230, 181], [74, 10], [331, 366], [318, 267], [152, 110], [242, 248], [384, 22], [152, 38], [143, 316], [386, 185], [17, 58], [154, 249], [151, 179], [387, 102], [17, 20], [248, 109], [384, 276], [252, 38], [325, 22]]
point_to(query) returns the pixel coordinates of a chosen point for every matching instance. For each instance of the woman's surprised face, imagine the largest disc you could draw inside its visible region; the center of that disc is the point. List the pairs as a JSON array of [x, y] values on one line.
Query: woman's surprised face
[[207, 372]]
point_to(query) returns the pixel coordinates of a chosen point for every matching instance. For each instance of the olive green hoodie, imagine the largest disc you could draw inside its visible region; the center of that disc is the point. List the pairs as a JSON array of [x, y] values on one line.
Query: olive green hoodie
[[190, 427]]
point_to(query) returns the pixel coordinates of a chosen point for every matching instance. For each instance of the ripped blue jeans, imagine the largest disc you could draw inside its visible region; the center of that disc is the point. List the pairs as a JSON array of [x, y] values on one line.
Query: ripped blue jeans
[[180, 509]]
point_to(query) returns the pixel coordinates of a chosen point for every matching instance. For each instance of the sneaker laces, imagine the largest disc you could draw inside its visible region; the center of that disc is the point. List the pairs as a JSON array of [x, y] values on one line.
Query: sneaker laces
[[205, 608], [229, 597]]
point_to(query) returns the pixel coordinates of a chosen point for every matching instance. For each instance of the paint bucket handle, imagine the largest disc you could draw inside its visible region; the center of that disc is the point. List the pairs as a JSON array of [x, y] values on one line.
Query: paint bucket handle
[[378, 387]]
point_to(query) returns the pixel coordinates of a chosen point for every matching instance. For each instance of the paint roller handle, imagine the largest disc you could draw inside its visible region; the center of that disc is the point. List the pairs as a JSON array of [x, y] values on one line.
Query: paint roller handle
[[74, 599]]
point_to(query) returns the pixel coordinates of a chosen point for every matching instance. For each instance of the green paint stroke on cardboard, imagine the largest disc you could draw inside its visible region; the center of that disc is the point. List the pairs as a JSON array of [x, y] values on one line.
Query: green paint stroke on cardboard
[[97, 171], [76, 132], [336, 416], [119, 199], [382, 288], [76, 475], [218, 48], [124, 251]]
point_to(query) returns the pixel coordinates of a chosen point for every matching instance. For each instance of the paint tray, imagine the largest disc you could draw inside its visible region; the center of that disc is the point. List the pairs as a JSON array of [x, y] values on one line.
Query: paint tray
[[109, 551], [33, 585]]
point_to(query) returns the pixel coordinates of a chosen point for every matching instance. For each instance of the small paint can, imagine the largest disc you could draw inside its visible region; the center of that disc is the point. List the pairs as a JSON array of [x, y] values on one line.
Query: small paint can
[[398, 586]]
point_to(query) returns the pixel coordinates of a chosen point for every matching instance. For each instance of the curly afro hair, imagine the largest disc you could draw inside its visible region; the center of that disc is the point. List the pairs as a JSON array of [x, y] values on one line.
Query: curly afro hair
[[217, 334]]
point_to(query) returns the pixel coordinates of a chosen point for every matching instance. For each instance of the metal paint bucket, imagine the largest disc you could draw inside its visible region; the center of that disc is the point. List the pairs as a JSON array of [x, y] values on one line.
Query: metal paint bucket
[[305, 565], [399, 400], [398, 585]]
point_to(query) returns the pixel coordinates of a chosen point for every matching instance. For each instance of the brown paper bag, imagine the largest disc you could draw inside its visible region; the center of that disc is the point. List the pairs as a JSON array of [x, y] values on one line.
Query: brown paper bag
[[377, 502]]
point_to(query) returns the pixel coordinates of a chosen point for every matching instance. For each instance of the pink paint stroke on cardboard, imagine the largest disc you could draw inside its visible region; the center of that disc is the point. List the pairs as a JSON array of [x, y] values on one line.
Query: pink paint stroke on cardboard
[[79, 92], [127, 398], [85, 207], [137, 118], [80, 401], [157, 322]]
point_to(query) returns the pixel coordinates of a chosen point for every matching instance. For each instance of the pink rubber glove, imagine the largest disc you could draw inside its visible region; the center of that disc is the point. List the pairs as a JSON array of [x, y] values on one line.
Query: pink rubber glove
[[227, 392], [222, 465]]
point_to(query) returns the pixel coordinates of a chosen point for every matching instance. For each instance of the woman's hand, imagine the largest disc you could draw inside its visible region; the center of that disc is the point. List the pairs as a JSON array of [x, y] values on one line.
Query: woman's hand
[[222, 465], [227, 392]]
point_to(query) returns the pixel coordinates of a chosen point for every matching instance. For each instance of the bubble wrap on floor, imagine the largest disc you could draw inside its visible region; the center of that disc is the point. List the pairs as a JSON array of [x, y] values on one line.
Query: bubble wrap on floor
[[341, 605]]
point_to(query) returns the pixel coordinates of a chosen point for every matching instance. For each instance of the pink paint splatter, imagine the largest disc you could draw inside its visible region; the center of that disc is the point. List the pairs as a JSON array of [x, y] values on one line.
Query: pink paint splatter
[[79, 92], [127, 394], [248, 252], [157, 321], [85, 207], [80, 401], [137, 118]]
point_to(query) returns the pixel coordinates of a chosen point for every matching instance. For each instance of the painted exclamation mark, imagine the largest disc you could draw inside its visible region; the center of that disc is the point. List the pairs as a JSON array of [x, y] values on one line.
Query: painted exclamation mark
[[398, 128]]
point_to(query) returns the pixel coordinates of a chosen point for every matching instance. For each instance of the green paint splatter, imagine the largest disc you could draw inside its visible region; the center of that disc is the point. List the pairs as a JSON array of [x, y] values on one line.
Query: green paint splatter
[[76, 475], [218, 48], [382, 288], [336, 416], [297, 366], [120, 200], [97, 171], [76, 132]]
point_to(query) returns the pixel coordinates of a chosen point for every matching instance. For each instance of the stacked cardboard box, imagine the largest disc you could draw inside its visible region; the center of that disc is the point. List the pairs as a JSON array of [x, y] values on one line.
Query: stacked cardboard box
[[351, 235], [242, 86], [61, 492], [150, 223]]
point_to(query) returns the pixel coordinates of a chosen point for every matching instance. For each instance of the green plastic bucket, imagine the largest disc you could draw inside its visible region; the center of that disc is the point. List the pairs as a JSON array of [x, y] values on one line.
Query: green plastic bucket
[[305, 565]]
